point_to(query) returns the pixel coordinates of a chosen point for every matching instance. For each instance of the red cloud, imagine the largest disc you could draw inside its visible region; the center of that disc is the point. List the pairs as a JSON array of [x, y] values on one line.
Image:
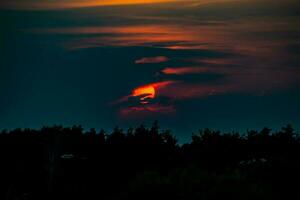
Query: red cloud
[[150, 60]]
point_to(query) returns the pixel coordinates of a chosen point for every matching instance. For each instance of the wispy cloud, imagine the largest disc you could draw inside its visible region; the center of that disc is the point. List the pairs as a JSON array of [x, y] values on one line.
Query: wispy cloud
[[185, 70], [146, 110], [167, 36], [182, 90], [152, 60], [145, 93]]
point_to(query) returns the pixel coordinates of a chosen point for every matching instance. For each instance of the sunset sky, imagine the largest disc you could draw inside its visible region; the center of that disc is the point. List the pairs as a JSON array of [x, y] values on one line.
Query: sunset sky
[[224, 64], [54, 4]]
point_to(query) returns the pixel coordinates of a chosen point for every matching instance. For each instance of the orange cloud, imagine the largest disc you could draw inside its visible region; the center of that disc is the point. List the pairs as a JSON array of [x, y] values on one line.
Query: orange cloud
[[150, 60], [147, 92]]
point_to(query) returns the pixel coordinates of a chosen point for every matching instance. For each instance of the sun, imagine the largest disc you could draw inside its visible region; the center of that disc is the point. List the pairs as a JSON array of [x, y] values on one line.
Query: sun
[[144, 92]]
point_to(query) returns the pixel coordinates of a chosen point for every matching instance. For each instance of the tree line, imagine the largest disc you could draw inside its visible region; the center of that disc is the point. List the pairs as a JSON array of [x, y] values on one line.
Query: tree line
[[146, 163]]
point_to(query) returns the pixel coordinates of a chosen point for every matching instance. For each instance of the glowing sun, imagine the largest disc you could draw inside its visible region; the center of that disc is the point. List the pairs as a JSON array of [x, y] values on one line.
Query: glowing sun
[[144, 92]]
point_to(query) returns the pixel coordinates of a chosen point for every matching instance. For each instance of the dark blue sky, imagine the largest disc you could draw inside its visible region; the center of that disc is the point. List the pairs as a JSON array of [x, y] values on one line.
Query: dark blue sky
[[229, 66]]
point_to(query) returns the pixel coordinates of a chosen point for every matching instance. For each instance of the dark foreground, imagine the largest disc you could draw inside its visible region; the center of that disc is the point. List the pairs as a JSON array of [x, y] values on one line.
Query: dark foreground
[[68, 163]]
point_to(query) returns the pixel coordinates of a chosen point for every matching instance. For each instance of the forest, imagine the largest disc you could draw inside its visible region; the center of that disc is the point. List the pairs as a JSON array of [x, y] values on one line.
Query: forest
[[148, 163]]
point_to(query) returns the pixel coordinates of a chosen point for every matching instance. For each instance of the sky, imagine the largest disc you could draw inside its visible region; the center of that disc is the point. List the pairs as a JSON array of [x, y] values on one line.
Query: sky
[[56, 4], [63, 4], [231, 65]]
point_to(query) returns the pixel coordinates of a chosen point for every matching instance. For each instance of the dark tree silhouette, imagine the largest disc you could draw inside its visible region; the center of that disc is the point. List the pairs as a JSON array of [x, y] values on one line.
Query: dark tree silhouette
[[146, 163]]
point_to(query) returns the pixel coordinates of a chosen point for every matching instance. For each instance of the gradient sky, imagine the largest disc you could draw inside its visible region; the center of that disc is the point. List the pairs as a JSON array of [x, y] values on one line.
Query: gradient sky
[[229, 65], [55, 4]]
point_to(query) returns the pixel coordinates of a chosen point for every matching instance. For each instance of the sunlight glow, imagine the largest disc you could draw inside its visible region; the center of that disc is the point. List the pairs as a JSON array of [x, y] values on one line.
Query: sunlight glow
[[144, 92]]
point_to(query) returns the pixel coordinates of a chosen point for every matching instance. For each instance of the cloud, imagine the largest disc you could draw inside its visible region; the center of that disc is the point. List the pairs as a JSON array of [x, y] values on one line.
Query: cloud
[[144, 93], [174, 90], [58, 4], [185, 70], [182, 90], [255, 61], [146, 110], [152, 60], [168, 36]]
